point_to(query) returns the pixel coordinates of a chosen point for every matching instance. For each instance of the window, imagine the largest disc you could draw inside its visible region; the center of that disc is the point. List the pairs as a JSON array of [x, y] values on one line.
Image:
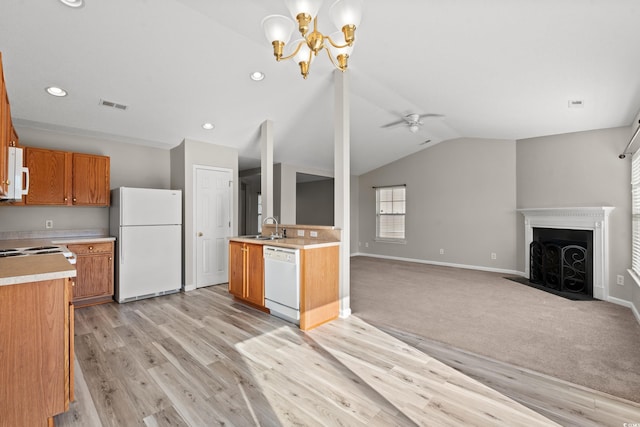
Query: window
[[635, 213], [390, 212]]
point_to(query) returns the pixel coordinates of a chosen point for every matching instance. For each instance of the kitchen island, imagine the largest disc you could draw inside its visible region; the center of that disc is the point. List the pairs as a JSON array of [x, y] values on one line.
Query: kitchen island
[[36, 338], [318, 273]]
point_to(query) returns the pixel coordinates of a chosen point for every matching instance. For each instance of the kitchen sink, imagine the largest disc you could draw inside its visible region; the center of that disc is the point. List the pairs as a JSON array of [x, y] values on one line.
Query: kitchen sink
[[260, 237]]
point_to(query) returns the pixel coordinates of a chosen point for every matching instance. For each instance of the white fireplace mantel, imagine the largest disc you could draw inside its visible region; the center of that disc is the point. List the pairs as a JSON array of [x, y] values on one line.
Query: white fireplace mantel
[[595, 219]]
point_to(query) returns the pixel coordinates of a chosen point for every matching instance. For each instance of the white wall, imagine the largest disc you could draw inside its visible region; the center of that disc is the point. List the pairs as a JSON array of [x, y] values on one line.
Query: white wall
[[131, 165], [461, 197]]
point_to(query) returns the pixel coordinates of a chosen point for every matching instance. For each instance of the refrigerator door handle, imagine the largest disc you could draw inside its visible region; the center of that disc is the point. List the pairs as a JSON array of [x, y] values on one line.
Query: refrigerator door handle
[[121, 248]]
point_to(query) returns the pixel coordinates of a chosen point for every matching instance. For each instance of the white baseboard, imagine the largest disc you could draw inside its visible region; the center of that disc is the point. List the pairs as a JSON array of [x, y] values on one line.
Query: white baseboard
[[188, 288], [444, 264], [627, 304]]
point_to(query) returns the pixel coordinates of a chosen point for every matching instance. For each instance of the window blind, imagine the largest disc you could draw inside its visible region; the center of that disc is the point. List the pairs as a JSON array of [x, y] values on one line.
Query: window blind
[[390, 212], [635, 212]]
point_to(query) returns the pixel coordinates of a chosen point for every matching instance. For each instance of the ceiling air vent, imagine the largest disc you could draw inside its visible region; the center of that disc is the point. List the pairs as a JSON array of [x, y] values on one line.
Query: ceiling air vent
[[113, 105], [576, 103]]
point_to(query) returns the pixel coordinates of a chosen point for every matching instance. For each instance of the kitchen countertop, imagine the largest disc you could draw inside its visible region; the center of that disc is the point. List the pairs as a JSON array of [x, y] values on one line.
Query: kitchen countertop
[[28, 243], [289, 242], [16, 270]]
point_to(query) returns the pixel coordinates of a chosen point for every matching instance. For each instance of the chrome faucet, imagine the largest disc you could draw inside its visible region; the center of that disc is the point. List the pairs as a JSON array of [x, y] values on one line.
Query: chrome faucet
[[275, 221]]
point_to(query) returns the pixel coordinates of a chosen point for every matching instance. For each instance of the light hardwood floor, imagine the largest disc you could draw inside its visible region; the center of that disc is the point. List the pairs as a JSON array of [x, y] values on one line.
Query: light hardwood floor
[[200, 359]]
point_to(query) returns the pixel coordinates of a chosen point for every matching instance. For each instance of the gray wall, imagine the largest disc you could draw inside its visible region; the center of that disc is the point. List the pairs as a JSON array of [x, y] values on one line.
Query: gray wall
[[581, 169], [315, 202], [131, 165], [183, 158], [461, 197]]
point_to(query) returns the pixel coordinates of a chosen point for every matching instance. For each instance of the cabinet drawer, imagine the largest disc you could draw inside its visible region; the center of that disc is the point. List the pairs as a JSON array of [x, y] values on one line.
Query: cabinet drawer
[[91, 248]]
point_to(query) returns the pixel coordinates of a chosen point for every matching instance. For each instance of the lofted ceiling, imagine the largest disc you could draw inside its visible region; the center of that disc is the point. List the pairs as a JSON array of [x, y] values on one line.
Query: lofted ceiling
[[503, 69]]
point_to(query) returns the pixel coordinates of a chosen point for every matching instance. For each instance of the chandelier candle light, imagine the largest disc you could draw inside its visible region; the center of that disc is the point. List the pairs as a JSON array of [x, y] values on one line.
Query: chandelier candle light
[[346, 16]]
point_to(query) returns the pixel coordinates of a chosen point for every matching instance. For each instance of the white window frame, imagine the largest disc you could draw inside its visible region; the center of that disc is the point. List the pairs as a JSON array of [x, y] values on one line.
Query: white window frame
[[379, 215], [635, 216]]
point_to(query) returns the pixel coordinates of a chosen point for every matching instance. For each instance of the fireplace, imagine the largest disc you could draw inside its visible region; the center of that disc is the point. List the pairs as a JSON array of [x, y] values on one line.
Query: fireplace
[[561, 260], [573, 222]]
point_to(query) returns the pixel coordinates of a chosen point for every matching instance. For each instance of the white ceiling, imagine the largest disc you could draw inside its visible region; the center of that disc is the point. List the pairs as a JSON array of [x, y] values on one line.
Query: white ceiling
[[494, 68]]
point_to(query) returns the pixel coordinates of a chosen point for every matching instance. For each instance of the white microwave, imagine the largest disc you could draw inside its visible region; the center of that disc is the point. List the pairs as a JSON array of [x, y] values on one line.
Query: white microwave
[[18, 176]]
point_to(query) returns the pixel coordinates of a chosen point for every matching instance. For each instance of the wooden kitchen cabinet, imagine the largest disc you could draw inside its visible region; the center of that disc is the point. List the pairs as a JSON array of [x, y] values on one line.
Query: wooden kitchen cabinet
[[8, 135], [246, 273], [36, 356], [94, 267], [67, 179], [319, 286]]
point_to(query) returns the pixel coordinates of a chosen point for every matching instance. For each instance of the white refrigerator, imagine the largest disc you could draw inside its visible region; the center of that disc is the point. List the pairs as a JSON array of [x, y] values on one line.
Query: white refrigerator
[[147, 224]]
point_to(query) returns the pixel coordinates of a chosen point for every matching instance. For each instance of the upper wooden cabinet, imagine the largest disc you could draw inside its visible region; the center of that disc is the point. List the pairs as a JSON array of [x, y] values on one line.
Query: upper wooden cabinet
[[90, 180], [8, 136], [67, 179]]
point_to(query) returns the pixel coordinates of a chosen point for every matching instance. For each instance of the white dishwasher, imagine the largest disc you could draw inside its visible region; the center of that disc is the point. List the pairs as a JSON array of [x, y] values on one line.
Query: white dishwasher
[[282, 282]]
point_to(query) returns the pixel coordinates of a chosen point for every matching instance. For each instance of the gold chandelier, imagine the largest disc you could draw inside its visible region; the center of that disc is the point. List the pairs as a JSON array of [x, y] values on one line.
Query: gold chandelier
[[346, 16]]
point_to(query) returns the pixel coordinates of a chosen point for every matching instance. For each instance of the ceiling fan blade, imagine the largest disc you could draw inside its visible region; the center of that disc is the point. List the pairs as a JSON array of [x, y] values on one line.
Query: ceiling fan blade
[[422, 116], [396, 123]]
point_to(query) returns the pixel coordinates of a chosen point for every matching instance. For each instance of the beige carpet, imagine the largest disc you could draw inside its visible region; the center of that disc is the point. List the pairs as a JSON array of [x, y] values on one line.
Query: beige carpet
[[592, 343]]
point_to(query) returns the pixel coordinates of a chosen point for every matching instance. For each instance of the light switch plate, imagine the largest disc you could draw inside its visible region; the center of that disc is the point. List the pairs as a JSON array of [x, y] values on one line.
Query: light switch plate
[[301, 233]]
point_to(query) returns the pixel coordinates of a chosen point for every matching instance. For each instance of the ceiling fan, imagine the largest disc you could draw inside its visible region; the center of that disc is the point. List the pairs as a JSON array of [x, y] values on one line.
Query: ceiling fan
[[413, 121]]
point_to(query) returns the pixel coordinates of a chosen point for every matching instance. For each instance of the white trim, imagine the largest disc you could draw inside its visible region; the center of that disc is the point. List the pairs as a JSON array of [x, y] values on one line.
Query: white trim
[[443, 264], [627, 304], [595, 219]]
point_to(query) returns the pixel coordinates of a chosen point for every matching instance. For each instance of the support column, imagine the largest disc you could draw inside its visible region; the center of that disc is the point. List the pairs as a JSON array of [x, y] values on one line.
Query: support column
[[342, 175], [266, 166]]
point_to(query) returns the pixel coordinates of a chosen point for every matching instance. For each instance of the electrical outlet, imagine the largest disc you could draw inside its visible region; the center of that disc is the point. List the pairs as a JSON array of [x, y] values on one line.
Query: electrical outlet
[[366, 244], [494, 255], [620, 280], [441, 251], [48, 223], [313, 233], [300, 233]]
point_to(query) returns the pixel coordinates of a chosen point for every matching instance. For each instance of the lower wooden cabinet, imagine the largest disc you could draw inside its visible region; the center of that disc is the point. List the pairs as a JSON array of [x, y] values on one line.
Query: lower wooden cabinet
[[246, 272], [36, 352], [319, 286], [94, 267]]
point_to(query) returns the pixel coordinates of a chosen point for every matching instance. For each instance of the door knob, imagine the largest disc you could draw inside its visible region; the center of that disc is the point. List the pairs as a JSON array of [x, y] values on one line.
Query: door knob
[[200, 234]]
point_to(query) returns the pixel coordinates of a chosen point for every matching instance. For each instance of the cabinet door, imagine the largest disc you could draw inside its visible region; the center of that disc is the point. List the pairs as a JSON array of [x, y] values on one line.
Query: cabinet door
[[91, 180], [236, 269], [255, 275], [94, 277], [94, 272], [50, 176]]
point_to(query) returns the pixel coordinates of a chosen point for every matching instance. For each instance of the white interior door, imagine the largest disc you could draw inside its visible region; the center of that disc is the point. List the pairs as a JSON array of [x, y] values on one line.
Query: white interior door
[[213, 225]]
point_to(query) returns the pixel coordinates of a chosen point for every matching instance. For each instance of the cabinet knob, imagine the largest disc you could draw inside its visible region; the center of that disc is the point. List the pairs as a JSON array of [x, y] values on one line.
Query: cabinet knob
[[200, 234], [74, 200], [65, 199], [90, 248]]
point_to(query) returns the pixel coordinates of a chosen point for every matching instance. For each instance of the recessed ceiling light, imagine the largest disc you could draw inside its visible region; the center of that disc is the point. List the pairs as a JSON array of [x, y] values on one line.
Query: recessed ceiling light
[[256, 76], [56, 91], [208, 126], [72, 3]]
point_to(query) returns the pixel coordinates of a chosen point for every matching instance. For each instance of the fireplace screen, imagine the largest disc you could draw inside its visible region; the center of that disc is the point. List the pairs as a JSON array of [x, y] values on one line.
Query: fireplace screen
[[561, 264]]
